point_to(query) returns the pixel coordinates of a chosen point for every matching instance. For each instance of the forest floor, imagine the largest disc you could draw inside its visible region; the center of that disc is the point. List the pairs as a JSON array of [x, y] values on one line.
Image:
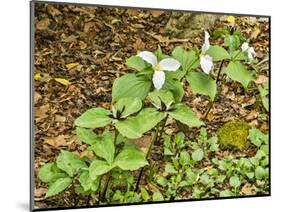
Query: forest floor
[[80, 51]]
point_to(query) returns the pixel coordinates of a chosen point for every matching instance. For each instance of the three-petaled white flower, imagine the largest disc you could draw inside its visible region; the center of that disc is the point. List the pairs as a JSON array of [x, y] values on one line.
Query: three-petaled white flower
[[167, 64], [206, 61], [249, 50]]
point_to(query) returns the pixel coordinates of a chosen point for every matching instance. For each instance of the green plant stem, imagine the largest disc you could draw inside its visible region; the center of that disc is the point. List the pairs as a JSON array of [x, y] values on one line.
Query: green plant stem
[[211, 103], [161, 130], [154, 138], [73, 195], [108, 175]]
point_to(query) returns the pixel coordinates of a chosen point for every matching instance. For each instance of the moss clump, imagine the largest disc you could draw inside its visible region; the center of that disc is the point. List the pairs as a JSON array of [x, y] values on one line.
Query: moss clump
[[234, 134]]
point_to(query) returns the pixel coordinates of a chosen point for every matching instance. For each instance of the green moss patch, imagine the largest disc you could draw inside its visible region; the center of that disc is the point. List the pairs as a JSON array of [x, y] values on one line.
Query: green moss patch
[[234, 134]]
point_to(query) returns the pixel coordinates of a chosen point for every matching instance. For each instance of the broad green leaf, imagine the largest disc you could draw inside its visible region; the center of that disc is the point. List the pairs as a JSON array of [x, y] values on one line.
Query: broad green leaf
[[131, 159], [234, 181], [128, 106], [58, 186], [184, 158], [238, 55], [197, 155], [175, 87], [264, 95], [135, 127], [220, 32], [86, 135], [232, 42], [162, 181], [88, 183], [70, 162], [170, 169], [50, 172], [93, 118], [130, 85], [226, 193], [136, 63], [98, 167], [104, 147], [238, 72], [202, 83], [218, 53], [188, 59], [157, 196], [260, 173], [159, 96], [185, 115], [144, 194], [257, 137]]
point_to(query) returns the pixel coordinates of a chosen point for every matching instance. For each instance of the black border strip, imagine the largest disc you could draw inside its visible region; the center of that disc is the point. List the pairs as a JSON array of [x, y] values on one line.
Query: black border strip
[[32, 177]]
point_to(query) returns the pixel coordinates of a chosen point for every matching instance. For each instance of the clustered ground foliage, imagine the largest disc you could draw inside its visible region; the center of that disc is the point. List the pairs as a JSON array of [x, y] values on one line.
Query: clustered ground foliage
[[80, 51]]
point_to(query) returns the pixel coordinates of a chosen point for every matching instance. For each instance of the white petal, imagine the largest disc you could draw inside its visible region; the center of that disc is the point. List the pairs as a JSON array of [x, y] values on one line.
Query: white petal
[[250, 56], [206, 44], [244, 46], [252, 51], [169, 64], [207, 36], [158, 79], [148, 57], [206, 63]]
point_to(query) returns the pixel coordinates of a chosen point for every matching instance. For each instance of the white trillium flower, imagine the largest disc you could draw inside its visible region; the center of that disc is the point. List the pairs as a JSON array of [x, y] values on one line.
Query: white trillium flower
[[167, 64], [249, 50], [206, 61]]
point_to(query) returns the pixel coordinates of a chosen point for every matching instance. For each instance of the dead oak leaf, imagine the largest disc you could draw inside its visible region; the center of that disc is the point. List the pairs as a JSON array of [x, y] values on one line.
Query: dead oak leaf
[[43, 24], [61, 140], [261, 79], [248, 189], [156, 13]]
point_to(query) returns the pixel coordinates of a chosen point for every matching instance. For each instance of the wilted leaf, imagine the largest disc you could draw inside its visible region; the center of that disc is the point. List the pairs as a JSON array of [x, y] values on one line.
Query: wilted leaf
[[71, 65], [62, 81]]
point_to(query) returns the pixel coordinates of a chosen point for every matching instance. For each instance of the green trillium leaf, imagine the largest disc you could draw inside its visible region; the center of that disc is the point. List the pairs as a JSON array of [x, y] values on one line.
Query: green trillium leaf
[[159, 96], [104, 147], [130, 158], [185, 115], [50, 172], [137, 63], [127, 106], [88, 183], [218, 53], [58, 186], [238, 72], [202, 83], [98, 167], [130, 85], [135, 127], [70, 163], [94, 118]]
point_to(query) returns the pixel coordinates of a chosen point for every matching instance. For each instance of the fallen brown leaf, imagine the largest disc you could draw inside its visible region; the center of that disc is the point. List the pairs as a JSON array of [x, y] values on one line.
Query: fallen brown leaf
[[57, 141]]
